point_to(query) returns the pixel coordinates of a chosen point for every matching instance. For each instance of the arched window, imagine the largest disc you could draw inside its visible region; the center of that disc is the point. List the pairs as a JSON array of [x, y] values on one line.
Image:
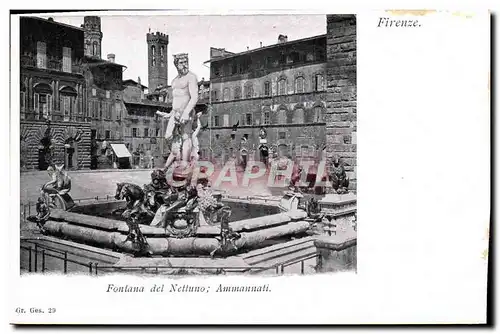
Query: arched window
[[162, 58], [299, 85], [42, 100], [237, 93], [226, 94], [153, 54], [94, 49], [68, 102], [281, 116], [282, 86], [248, 91]]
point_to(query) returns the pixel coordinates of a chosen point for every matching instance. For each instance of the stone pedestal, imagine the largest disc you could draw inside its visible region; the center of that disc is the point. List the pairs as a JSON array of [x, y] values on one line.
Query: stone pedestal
[[339, 214], [336, 253]]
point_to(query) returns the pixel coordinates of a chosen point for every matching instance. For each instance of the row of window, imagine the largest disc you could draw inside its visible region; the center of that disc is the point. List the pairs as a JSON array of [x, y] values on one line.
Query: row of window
[[317, 84], [41, 58], [303, 151], [147, 132], [244, 65], [108, 93], [104, 110], [298, 116], [43, 105], [108, 135]]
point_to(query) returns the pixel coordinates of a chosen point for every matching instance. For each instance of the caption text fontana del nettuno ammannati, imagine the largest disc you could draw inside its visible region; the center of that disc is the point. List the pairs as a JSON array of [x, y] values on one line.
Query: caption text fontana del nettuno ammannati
[[187, 288]]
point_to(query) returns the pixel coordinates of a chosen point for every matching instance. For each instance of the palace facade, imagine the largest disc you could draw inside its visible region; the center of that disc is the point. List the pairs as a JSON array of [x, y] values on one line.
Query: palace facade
[[280, 87], [55, 125]]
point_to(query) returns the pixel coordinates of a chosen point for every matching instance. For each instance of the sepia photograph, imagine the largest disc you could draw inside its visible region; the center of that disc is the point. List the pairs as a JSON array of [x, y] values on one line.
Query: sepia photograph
[[158, 145]]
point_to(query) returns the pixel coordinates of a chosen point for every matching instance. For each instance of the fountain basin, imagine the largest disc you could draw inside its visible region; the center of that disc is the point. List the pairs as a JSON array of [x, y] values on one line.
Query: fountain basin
[[262, 225]]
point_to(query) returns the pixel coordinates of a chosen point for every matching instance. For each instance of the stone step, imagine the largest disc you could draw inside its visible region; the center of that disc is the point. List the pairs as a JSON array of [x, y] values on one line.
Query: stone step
[[278, 255]]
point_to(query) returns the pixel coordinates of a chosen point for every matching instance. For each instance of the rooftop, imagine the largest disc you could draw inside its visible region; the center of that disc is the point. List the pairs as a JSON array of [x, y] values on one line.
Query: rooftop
[[96, 61], [130, 82], [279, 45], [50, 20]]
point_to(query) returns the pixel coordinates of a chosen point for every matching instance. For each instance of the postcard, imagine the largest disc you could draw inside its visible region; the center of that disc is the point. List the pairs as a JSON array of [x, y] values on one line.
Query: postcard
[[191, 167]]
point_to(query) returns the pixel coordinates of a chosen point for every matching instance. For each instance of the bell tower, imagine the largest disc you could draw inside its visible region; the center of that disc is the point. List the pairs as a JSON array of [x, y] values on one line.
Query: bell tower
[[157, 60], [92, 35]]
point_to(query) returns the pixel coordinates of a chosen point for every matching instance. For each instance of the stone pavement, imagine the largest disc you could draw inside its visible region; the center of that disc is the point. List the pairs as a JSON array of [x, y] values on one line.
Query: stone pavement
[[89, 184]]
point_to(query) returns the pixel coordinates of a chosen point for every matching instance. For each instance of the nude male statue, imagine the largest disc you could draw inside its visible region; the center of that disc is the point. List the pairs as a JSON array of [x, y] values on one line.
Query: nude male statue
[[185, 96]]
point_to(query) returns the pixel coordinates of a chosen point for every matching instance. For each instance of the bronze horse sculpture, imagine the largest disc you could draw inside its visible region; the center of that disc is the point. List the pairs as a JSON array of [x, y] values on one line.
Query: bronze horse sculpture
[[135, 198]]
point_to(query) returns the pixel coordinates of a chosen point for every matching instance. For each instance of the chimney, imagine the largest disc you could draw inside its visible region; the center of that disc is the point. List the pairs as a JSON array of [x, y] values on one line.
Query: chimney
[[111, 57], [50, 19], [260, 44], [282, 39], [139, 80], [248, 48]]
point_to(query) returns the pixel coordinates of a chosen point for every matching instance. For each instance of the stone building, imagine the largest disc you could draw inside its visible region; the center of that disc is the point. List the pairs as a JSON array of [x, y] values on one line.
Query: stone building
[[341, 129], [143, 129], [104, 95], [280, 87], [55, 127]]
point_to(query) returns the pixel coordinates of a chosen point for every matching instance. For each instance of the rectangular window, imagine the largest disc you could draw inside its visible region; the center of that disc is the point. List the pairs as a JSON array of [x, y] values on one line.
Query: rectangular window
[[36, 104], [215, 96], [226, 120], [107, 134], [266, 117], [304, 150], [65, 106], [146, 132], [66, 59], [267, 88], [100, 103], [22, 101], [282, 87], [94, 92], [134, 132], [216, 121], [318, 82], [281, 135], [299, 85], [282, 58], [118, 110], [157, 132], [41, 55], [117, 134], [47, 112], [248, 119], [110, 109], [108, 94]]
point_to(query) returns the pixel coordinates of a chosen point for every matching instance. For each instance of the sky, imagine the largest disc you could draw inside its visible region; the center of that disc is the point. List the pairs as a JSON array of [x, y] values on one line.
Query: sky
[[125, 36]]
